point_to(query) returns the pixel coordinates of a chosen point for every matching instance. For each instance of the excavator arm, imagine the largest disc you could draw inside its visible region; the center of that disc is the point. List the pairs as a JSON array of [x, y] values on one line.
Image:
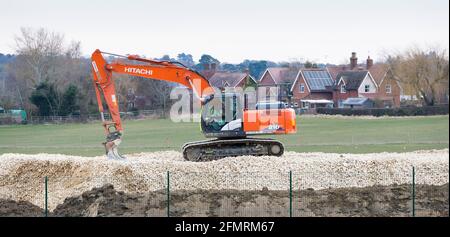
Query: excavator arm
[[135, 66]]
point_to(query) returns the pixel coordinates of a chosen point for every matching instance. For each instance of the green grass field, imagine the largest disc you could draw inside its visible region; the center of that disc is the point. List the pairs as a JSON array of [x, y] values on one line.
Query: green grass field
[[315, 134]]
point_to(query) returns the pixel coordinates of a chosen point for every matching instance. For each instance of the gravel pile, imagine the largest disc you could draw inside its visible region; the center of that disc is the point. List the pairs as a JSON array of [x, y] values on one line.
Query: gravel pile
[[22, 176]]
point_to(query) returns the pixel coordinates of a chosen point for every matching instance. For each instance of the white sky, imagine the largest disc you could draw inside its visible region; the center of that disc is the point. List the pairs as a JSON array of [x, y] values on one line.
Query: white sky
[[233, 30]]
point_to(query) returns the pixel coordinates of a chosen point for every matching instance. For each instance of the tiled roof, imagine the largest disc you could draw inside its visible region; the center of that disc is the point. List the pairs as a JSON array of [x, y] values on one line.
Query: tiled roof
[[335, 70], [226, 79], [378, 72], [283, 74], [352, 79]]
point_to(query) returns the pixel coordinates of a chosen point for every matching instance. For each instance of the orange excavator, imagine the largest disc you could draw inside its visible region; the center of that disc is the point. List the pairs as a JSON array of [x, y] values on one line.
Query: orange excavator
[[230, 132]]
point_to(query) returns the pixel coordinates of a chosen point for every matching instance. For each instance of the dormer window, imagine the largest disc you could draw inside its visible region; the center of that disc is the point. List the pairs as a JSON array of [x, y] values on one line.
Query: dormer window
[[366, 88], [343, 91]]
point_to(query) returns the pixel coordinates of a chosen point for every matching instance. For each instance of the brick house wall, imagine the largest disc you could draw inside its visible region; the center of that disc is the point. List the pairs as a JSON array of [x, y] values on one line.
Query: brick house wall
[[338, 96], [395, 91], [268, 83], [296, 94], [267, 80], [321, 96]]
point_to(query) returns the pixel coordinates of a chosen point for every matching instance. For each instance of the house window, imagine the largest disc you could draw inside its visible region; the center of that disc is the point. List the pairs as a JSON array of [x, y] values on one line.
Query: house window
[[366, 88], [343, 89], [388, 89], [305, 105], [341, 104], [302, 88]]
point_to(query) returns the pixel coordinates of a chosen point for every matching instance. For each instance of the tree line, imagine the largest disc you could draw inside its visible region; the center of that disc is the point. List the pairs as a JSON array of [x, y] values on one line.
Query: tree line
[[49, 76]]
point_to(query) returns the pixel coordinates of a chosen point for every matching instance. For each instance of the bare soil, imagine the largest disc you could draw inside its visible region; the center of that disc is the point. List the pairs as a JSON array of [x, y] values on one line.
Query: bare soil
[[392, 200], [13, 208]]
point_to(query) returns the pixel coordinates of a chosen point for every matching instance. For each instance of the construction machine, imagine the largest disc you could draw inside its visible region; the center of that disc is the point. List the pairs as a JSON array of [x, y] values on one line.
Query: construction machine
[[231, 135]]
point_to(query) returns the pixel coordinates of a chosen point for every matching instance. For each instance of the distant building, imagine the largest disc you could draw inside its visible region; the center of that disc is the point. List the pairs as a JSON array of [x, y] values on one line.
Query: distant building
[[382, 88], [353, 84], [279, 81], [223, 80], [312, 89], [306, 88]]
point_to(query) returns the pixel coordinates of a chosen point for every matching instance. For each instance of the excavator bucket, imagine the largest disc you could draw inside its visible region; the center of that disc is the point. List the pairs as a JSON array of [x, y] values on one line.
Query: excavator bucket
[[112, 143], [114, 154]]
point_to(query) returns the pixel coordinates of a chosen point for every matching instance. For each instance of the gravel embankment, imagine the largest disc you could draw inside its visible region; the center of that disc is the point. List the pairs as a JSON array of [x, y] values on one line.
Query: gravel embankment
[[22, 176]]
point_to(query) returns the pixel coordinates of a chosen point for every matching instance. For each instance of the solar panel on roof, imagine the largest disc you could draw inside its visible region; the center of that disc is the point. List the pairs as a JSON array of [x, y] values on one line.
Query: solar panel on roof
[[318, 80]]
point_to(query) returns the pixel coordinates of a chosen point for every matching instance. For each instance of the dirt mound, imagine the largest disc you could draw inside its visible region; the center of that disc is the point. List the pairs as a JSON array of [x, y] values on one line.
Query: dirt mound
[[393, 200], [103, 201], [12, 208]]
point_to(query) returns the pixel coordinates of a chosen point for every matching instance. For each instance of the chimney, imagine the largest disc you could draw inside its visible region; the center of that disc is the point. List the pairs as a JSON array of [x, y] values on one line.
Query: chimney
[[369, 63], [353, 61], [213, 68]]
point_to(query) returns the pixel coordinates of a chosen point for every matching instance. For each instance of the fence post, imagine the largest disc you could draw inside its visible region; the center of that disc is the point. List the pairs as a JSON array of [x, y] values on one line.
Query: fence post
[[46, 196], [413, 191], [168, 194], [290, 193]]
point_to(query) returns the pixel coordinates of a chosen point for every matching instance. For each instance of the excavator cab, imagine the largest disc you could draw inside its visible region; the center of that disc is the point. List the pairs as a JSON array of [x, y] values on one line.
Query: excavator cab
[[222, 117]]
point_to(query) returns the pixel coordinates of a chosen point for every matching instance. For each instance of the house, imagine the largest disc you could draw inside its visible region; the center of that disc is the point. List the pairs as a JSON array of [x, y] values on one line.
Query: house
[[278, 81], [358, 103], [312, 88], [388, 90], [353, 84], [224, 80], [306, 88]]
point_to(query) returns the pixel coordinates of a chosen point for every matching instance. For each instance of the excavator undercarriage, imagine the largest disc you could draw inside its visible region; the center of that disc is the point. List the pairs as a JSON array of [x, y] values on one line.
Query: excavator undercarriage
[[215, 149]]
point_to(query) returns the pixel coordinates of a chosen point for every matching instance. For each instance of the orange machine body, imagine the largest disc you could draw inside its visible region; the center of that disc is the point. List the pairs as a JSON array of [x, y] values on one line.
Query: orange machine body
[[273, 121]]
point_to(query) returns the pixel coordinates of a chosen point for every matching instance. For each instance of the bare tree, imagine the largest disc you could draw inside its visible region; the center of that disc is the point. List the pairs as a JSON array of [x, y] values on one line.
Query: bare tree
[[426, 72], [40, 49], [44, 56]]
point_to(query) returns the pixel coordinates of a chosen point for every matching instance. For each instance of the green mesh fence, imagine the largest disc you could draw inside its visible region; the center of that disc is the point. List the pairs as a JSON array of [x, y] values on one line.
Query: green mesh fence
[[222, 194]]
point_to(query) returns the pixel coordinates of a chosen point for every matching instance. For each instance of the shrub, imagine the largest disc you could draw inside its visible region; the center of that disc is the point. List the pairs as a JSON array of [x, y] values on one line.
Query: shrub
[[402, 111]]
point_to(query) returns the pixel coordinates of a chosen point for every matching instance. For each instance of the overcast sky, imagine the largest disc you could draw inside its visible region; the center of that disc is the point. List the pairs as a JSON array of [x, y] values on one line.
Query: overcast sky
[[233, 30]]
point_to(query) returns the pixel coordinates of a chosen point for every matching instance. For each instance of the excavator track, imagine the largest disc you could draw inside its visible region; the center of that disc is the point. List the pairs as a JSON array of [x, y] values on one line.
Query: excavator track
[[215, 149]]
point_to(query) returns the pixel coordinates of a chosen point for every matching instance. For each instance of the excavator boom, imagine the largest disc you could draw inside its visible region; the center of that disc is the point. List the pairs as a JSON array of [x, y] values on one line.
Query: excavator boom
[[159, 70]]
